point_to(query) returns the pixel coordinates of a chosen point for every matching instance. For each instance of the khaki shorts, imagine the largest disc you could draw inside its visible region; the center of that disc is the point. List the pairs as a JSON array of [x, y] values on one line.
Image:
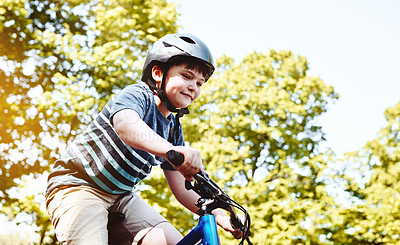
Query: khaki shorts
[[80, 215]]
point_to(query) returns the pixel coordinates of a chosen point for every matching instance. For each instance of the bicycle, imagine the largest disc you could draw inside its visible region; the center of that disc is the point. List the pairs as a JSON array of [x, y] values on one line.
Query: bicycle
[[211, 197]]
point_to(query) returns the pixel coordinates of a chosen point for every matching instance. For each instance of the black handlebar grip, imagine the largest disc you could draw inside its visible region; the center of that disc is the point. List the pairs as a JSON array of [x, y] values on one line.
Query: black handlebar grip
[[175, 158]]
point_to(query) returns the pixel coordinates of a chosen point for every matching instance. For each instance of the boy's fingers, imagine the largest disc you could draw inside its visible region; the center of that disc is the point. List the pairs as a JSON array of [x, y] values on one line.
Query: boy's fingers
[[192, 162], [237, 234], [189, 177]]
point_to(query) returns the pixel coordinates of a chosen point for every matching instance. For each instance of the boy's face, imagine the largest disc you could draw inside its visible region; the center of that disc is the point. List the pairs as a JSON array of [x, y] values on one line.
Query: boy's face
[[183, 85]]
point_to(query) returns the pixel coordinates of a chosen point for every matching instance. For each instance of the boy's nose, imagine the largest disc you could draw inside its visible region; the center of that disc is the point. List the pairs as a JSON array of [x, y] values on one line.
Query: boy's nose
[[191, 86]]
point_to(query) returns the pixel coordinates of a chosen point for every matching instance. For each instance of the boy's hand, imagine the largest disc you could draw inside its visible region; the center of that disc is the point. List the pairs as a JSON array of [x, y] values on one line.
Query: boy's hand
[[192, 163], [224, 222]]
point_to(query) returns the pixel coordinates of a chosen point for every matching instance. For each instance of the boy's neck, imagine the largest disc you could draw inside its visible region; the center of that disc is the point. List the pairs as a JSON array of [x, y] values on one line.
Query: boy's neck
[[163, 108]]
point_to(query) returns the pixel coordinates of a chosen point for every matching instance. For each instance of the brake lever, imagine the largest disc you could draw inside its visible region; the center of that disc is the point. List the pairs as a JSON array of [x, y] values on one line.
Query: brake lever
[[203, 177], [234, 219]]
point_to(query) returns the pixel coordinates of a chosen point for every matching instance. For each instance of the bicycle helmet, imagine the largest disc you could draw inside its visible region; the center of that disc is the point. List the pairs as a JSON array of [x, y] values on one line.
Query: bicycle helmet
[[173, 45], [168, 48]]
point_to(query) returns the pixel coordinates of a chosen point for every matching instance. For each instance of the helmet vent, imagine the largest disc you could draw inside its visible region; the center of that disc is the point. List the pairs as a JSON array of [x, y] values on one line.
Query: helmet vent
[[188, 40], [167, 44]]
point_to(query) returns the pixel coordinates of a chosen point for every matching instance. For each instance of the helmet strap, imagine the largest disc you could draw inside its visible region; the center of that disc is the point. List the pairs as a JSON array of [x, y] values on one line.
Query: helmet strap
[[174, 132], [180, 112], [163, 97]]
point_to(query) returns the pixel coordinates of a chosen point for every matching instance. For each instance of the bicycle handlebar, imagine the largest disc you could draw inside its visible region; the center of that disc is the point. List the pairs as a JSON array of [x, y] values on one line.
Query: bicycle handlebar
[[208, 189], [175, 158]]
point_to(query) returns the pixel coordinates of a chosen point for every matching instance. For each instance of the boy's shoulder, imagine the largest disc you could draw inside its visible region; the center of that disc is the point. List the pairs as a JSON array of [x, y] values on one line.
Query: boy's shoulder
[[135, 96], [138, 90], [140, 86]]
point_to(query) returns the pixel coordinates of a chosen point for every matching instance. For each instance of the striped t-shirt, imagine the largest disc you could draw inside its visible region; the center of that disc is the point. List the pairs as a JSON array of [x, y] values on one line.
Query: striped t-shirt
[[101, 159]]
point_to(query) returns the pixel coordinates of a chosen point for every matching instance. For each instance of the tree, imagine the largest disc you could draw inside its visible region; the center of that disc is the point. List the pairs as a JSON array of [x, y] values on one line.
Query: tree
[[60, 62], [254, 124], [373, 217]]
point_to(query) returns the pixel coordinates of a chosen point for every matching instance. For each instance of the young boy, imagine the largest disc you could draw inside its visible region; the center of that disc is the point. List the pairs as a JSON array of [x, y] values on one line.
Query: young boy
[[100, 169]]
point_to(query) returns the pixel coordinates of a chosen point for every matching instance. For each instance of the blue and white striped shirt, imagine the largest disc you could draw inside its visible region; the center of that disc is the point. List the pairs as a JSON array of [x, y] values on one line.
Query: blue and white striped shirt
[[101, 159]]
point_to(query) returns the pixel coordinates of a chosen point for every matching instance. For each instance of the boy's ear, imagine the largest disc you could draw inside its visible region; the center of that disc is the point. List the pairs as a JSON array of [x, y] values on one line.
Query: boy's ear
[[157, 74]]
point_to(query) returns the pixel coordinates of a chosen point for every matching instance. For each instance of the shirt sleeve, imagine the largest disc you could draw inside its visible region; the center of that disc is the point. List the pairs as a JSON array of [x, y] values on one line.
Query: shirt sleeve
[[133, 97]]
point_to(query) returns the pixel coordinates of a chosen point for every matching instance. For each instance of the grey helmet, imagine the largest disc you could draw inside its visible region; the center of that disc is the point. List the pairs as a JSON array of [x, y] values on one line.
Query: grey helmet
[[164, 50], [173, 45]]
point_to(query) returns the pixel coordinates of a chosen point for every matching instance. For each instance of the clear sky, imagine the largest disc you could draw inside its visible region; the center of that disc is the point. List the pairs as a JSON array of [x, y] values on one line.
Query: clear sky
[[353, 45]]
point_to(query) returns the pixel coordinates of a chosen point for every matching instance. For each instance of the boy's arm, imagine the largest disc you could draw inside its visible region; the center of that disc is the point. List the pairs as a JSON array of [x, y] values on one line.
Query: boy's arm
[[136, 133], [176, 183], [188, 198]]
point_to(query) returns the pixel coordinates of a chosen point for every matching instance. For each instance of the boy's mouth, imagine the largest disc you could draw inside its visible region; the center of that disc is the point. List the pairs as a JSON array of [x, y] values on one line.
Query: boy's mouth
[[188, 95]]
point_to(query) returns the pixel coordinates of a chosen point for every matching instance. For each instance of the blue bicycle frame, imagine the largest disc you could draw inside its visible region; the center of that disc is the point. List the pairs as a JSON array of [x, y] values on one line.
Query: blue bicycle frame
[[206, 231]]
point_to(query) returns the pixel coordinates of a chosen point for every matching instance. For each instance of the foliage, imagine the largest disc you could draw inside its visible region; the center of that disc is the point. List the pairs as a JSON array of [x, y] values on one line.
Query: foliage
[[30, 204], [374, 216], [260, 136], [60, 61], [254, 124]]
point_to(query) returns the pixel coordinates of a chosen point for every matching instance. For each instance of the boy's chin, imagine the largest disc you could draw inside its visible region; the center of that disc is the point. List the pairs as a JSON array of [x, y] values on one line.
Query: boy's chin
[[181, 106]]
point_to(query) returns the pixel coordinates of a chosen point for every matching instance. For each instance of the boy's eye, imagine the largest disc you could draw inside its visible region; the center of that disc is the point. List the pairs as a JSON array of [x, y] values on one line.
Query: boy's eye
[[186, 76], [199, 84]]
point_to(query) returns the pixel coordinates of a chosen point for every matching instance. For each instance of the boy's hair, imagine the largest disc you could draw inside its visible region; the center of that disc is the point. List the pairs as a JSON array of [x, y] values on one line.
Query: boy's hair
[[190, 63]]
